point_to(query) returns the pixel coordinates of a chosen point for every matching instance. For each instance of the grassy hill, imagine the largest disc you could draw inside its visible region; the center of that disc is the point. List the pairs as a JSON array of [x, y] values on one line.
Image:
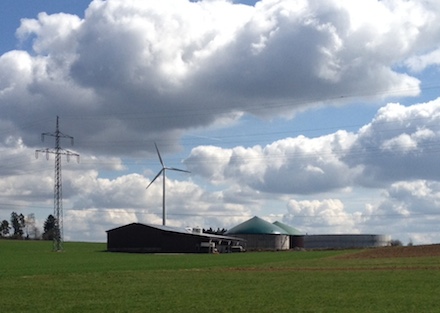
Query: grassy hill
[[85, 278]]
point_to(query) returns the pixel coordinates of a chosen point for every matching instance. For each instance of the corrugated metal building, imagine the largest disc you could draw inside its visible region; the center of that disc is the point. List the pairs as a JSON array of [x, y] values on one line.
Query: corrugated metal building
[[143, 238], [261, 235], [346, 241]]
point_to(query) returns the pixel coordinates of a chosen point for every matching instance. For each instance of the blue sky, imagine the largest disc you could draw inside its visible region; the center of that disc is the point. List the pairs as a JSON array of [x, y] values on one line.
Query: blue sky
[[324, 117]]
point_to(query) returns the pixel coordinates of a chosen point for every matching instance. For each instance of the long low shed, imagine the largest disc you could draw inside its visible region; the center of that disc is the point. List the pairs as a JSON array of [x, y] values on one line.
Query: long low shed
[[345, 241], [143, 238]]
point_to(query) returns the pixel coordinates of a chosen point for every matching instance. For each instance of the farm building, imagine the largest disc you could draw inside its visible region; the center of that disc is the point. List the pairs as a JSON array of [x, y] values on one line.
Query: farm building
[[345, 241], [296, 237], [261, 235], [144, 238]]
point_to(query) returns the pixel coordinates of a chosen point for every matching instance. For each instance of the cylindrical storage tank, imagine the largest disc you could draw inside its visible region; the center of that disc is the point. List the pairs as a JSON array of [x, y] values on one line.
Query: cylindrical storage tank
[[345, 241], [261, 235], [296, 237], [383, 240]]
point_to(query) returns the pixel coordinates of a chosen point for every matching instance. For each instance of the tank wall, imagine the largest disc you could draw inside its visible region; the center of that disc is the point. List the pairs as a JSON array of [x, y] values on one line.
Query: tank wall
[[296, 242], [345, 241], [265, 242]]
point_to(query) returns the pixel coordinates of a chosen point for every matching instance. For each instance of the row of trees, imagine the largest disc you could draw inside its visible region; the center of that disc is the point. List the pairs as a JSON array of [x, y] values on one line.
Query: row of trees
[[24, 227], [215, 232]]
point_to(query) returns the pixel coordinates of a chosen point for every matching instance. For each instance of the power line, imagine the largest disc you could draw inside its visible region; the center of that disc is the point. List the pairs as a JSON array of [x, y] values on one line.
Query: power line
[[256, 106], [140, 211], [58, 197]]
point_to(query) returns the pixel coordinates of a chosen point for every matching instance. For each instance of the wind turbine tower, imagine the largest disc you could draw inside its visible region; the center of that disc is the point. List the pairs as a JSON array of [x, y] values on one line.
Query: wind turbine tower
[[162, 171], [58, 194]]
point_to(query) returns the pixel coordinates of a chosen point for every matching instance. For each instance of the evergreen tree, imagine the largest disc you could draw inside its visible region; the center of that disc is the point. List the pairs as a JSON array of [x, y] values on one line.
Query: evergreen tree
[[4, 228], [49, 228], [18, 224]]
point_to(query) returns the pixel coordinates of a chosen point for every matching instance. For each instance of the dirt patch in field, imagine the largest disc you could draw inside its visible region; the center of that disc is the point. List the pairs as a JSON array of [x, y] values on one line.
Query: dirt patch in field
[[329, 269], [396, 252]]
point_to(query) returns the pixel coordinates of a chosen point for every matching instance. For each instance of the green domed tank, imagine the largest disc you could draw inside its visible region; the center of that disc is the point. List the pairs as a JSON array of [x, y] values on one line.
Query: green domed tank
[[289, 229], [261, 235], [256, 225]]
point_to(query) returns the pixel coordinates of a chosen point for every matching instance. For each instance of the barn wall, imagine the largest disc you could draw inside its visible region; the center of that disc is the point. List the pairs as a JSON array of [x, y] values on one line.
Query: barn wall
[[144, 239], [181, 243], [134, 238], [140, 238]]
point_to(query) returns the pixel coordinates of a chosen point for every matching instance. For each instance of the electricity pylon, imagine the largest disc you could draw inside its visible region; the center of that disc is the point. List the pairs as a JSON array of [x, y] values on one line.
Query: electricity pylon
[[58, 187]]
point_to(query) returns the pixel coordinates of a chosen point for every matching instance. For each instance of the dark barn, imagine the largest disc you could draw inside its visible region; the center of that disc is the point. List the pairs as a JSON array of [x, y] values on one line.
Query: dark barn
[[142, 238]]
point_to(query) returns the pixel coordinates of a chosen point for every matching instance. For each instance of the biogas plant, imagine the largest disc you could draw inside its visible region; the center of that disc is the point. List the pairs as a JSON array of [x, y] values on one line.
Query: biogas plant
[[254, 234]]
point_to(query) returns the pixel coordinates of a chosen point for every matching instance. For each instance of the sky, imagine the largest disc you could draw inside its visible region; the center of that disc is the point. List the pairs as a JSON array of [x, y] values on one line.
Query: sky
[[321, 115]]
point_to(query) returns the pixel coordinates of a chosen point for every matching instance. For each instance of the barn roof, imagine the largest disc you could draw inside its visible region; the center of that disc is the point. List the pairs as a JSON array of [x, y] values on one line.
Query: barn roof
[[177, 230], [256, 225], [289, 229]]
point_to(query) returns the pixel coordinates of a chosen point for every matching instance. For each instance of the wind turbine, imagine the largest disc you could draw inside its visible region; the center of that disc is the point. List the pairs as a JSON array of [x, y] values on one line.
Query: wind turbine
[[162, 171]]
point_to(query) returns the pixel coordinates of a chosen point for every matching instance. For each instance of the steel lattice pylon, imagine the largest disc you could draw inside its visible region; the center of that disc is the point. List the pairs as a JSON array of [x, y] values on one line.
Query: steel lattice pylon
[[58, 187]]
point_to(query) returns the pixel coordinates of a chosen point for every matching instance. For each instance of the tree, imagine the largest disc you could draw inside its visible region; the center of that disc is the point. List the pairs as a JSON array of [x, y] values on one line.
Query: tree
[[49, 228], [17, 222], [215, 232], [32, 231], [396, 243], [4, 228]]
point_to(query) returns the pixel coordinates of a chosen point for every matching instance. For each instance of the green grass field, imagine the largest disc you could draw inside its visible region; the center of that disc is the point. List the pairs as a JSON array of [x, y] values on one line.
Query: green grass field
[[85, 278]]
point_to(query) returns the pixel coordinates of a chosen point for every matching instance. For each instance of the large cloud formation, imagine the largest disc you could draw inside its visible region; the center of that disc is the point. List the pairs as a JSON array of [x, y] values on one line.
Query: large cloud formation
[[132, 71], [139, 69], [401, 143]]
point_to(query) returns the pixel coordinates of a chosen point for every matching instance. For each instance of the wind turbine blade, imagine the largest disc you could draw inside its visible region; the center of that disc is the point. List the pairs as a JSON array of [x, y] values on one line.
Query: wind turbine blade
[[158, 154], [158, 174], [177, 169]]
